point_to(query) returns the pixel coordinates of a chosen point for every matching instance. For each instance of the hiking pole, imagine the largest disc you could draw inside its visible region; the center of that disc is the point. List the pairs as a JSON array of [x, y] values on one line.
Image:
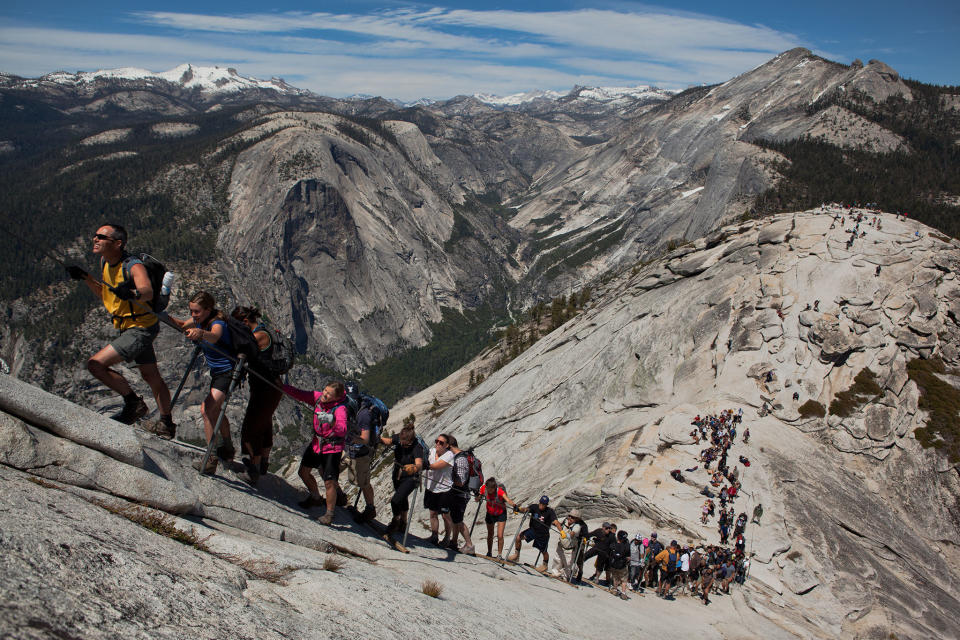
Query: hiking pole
[[513, 545], [183, 381], [477, 514], [34, 245], [215, 437], [413, 506]]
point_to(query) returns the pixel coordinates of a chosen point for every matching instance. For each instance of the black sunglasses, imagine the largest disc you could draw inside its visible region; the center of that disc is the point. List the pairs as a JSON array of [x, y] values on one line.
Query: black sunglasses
[[439, 441], [100, 236]]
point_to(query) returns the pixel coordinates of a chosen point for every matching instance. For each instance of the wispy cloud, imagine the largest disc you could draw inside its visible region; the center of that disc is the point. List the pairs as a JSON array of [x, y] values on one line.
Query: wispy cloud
[[418, 52]]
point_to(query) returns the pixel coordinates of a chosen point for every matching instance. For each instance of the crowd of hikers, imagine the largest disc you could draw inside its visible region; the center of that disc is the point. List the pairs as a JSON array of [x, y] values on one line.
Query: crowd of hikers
[[348, 428]]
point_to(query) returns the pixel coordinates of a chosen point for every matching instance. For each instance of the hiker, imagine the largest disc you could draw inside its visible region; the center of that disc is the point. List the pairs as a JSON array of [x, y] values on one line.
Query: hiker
[[603, 538], [330, 417], [746, 435], [726, 575], [207, 326], [460, 498], [636, 561], [408, 458], [542, 517], [576, 530], [256, 433], [437, 496], [706, 581], [619, 561], [667, 560], [360, 446], [740, 524], [497, 501], [757, 513], [127, 297]]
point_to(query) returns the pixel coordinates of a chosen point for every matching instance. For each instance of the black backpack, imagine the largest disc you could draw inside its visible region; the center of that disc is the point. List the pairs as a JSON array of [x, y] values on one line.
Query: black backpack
[[619, 555], [155, 272], [278, 358], [243, 339]]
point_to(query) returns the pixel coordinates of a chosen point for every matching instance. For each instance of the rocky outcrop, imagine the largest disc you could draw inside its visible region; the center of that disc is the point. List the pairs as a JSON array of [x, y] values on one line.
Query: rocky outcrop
[[860, 521], [98, 548]]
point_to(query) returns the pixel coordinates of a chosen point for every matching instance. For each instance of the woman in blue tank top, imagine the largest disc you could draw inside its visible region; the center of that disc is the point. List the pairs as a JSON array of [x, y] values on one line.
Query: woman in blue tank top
[[208, 327]]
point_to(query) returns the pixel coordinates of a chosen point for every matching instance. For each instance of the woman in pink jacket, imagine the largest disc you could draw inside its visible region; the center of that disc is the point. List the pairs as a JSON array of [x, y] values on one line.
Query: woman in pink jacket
[[326, 448]]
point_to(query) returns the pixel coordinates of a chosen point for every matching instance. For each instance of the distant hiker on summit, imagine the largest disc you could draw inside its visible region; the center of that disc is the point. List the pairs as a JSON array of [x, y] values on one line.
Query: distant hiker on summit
[[126, 297]]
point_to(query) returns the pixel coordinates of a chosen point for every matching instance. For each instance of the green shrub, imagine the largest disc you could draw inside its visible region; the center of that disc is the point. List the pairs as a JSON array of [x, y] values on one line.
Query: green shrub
[[941, 401], [863, 390], [812, 409]]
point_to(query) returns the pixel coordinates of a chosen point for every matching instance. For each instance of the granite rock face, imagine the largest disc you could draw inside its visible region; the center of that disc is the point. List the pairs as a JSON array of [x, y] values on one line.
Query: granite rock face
[[593, 414]]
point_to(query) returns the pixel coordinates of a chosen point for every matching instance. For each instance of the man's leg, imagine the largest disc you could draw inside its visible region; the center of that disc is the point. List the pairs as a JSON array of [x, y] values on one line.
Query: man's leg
[[161, 393], [99, 367]]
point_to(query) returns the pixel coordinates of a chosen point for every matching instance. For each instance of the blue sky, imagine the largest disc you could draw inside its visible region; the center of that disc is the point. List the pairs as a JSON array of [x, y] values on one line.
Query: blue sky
[[409, 50]]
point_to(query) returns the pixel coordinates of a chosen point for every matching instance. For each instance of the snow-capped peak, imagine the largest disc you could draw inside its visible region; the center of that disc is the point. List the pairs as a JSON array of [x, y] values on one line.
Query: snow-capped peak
[[609, 94], [516, 98], [207, 79], [597, 94]]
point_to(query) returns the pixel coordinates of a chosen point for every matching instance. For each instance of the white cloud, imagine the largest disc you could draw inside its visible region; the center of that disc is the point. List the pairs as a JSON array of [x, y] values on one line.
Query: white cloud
[[417, 53]]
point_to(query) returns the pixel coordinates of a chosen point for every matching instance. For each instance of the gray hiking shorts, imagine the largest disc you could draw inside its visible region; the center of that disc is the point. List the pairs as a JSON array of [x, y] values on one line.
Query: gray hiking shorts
[[136, 344]]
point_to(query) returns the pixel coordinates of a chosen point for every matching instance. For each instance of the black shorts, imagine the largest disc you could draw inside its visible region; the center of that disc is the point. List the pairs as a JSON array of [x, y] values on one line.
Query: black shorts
[[328, 463], [458, 505], [220, 380], [539, 542], [439, 502], [490, 519]]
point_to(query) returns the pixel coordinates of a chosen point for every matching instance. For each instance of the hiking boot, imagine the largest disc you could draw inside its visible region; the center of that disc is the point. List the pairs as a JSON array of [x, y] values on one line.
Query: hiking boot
[[226, 452], [208, 470], [341, 498], [542, 568], [132, 411], [163, 428], [326, 518], [434, 538], [513, 557], [369, 513], [253, 471], [311, 501], [468, 549], [391, 527], [264, 465]]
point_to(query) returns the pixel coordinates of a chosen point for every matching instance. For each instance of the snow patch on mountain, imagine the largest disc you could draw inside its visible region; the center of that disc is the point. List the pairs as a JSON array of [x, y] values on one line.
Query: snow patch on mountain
[[517, 98], [207, 79], [595, 94]]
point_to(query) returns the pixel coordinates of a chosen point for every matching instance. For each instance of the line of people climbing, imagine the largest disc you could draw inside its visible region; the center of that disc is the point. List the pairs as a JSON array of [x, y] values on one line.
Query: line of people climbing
[[346, 421]]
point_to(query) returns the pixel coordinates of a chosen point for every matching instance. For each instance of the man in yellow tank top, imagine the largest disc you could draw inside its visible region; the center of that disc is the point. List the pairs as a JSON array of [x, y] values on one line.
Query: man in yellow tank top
[[128, 302]]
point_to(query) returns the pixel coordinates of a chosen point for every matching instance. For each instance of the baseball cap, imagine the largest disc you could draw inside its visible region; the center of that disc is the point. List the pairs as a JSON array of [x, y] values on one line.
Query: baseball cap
[[653, 535], [544, 500]]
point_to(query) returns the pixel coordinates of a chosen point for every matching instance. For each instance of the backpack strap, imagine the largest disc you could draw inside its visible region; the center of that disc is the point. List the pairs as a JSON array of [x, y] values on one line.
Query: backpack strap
[[335, 440]]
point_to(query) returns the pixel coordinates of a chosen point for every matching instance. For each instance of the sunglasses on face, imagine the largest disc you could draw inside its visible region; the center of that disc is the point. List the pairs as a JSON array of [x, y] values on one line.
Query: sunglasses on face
[[438, 441], [100, 236]]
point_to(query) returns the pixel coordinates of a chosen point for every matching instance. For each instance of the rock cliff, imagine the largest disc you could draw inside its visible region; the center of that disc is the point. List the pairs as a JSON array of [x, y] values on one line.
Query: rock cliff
[[862, 524]]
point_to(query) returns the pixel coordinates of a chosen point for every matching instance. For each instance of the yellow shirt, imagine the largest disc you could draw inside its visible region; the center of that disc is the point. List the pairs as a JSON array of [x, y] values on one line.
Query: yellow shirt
[[126, 314]]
